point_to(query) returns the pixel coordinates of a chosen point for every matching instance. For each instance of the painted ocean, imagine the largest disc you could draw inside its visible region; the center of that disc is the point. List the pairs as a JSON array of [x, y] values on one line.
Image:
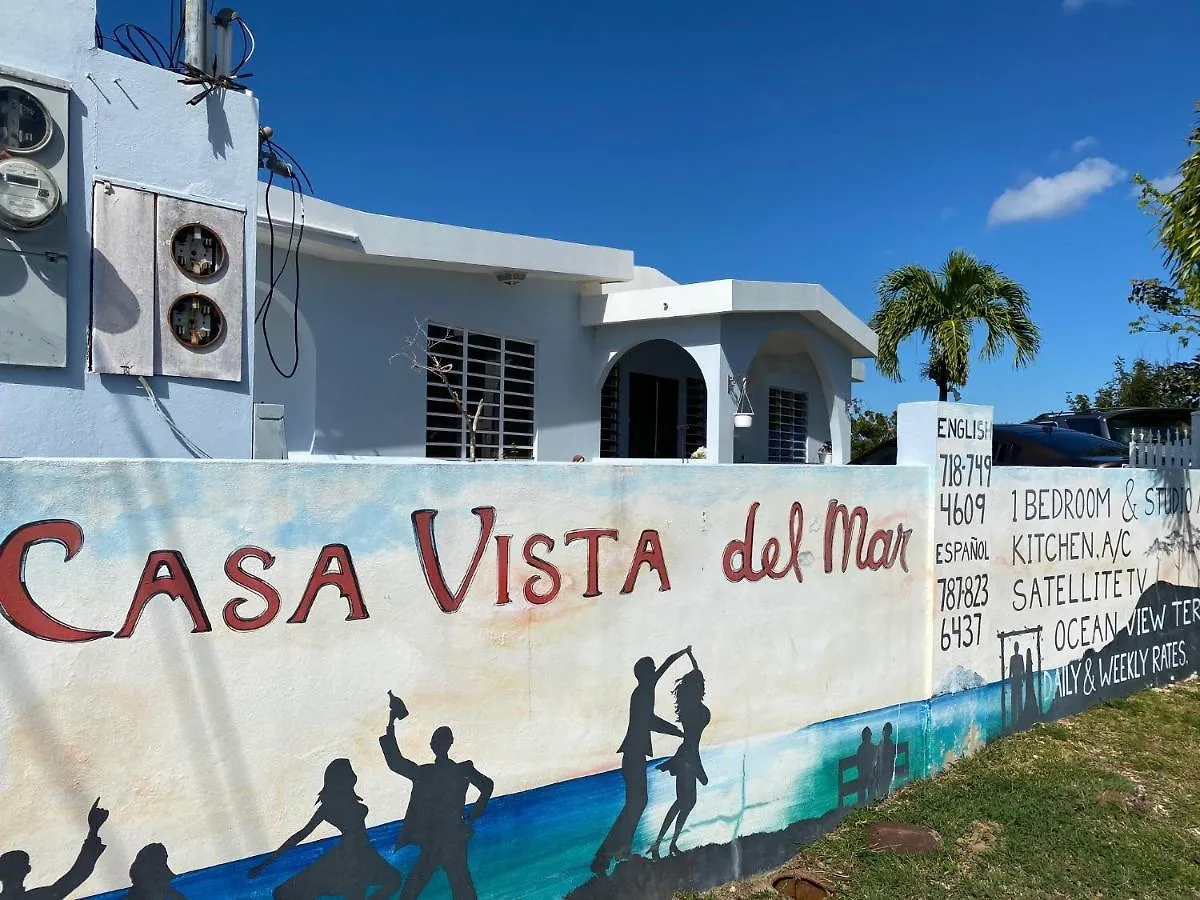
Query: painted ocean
[[539, 843]]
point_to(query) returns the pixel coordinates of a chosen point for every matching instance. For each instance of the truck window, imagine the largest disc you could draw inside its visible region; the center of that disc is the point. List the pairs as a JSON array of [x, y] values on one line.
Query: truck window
[[1088, 424]]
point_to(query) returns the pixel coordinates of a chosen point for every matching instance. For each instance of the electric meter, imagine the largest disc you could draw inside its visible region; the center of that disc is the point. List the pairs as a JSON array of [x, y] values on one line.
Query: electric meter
[[25, 126], [196, 321], [198, 251], [28, 194]]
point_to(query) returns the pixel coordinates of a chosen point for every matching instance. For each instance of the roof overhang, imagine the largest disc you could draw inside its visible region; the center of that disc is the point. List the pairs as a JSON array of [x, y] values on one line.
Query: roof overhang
[[350, 235], [714, 298]]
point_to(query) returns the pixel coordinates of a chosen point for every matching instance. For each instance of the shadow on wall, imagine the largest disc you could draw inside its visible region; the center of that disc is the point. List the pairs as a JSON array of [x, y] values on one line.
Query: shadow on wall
[[219, 134], [1172, 500]]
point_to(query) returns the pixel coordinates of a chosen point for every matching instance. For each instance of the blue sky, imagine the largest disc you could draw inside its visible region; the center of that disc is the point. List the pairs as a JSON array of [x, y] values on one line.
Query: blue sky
[[789, 140]]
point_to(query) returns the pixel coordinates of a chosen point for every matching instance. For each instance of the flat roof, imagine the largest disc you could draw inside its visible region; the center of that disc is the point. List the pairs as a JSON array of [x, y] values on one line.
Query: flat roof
[[710, 298], [340, 233]]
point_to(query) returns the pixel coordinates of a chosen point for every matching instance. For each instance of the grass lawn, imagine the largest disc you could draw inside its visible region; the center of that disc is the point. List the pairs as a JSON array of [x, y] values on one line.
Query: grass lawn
[[1102, 805]]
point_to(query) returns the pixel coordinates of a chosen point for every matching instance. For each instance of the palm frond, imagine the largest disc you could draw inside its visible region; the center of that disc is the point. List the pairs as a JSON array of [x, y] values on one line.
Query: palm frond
[[944, 307]]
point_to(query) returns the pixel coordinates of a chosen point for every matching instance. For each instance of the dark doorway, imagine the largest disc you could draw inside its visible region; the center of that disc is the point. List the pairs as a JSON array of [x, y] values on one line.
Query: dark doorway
[[653, 417]]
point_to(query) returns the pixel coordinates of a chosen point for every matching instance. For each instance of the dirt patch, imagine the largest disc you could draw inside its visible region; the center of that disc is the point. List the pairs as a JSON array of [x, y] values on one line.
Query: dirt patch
[[982, 837]]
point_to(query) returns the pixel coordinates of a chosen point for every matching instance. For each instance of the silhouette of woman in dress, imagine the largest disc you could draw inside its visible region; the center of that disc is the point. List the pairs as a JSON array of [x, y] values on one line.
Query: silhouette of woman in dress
[[352, 865], [685, 765]]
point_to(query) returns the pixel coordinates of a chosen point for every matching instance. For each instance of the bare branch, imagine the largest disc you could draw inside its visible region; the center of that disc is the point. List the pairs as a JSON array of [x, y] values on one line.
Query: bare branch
[[421, 354]]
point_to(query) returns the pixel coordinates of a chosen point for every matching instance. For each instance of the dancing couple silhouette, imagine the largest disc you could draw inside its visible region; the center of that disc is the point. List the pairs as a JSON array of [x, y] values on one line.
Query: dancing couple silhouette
[[433, 822], [693, 717]]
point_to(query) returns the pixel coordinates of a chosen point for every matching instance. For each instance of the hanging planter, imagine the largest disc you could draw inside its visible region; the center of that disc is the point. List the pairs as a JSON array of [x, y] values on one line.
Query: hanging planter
[[743, 416]]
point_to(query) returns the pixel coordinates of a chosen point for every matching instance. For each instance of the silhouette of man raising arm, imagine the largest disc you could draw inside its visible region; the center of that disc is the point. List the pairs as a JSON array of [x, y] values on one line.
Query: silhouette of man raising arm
[[634, 751], [434, 820], [14, 866]]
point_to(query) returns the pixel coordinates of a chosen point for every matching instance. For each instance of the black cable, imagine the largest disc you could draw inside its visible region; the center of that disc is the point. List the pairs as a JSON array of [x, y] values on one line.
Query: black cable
[[176, 29], [270, 248], [264, 310], [99, 36], [275, 277], [291, 159], [139, 44]]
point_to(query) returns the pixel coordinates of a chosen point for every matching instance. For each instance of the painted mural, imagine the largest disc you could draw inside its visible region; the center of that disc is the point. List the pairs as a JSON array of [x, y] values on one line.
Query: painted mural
[[1053, 589], [310, 680], [520, 681]]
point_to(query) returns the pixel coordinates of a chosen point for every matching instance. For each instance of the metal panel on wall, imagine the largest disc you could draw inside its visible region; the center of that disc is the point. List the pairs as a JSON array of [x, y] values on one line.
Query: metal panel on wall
[[201, 290], [122, 281], [33, 221]]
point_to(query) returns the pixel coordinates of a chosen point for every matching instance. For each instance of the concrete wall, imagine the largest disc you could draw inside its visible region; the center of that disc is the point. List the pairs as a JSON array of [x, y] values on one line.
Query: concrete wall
[[140, 131], [513, 603]]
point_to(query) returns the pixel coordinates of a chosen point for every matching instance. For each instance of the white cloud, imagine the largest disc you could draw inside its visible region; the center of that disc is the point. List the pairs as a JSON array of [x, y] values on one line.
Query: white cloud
[[1084, 143], [1055, 195], [1076, 5], [1168, 182]]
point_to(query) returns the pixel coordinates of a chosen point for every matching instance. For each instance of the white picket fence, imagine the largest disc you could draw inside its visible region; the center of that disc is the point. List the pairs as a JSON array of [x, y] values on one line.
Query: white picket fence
[[1179, 451], [1181, 455]]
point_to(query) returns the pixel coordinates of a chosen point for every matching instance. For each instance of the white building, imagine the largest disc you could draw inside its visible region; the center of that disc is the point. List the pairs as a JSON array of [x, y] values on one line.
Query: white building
[[572, 349], [127, 327]]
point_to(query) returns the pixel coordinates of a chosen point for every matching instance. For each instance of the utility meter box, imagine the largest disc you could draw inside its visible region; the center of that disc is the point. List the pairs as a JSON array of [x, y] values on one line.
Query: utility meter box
[[201, 289], [34, 184], [168, 286]]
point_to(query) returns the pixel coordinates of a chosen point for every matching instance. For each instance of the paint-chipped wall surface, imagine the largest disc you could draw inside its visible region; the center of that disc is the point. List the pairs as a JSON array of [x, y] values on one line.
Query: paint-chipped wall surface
[[256, 679]]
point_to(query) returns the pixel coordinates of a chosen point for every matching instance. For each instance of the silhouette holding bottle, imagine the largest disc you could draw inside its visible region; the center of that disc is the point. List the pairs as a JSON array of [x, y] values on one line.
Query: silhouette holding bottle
[[352, 866], [685, 765], [434, 819], [634, 750], [1016, 691], [15, 868], [150, 877]]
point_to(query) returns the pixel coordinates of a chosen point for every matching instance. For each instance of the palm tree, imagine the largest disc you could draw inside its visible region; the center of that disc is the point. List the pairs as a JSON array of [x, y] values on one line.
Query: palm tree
[[944, 308]]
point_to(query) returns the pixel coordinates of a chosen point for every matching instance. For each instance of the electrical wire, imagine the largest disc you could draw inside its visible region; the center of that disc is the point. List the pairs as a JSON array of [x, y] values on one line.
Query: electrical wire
[[140, 44], [187, 442], [248, 47], [280, 151], [293, 253], [176, 28]]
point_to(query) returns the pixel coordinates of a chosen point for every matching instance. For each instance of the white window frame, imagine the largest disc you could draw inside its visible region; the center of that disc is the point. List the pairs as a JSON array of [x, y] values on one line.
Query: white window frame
[[506, 418], [786, 407]]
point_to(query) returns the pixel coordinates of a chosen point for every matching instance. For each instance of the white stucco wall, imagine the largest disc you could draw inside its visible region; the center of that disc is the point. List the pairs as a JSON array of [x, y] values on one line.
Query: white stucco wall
[[826, 376], [142, 132], [794, 374], [349, 397]]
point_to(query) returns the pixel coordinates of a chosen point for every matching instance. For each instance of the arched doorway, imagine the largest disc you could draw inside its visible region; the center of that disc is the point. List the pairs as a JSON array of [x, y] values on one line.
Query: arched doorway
[[792, 398], [653, 404]]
